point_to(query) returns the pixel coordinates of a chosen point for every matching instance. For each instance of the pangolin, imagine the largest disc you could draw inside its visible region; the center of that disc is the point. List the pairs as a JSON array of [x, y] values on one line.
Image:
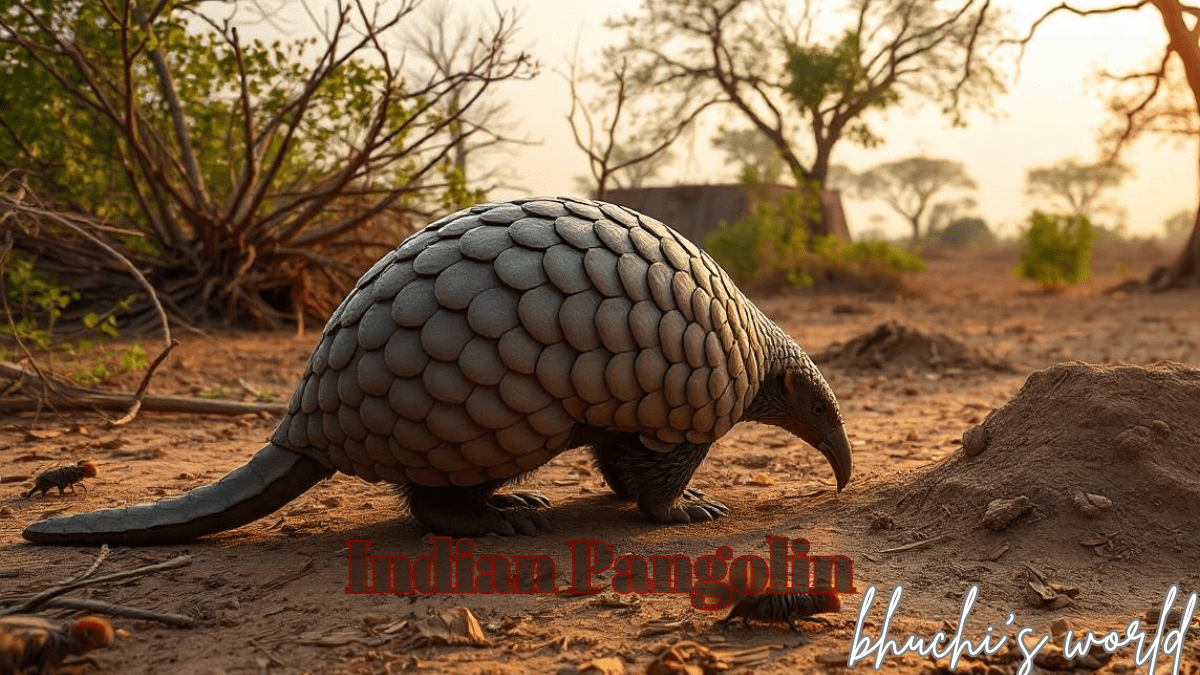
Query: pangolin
[[491, 341]]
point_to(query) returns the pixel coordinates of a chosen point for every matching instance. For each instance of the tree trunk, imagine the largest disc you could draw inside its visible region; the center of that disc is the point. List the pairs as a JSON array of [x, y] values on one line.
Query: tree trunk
[[1185, 271]]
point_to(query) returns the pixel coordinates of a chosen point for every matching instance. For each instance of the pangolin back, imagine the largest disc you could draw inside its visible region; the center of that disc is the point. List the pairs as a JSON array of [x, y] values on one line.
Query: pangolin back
[[471, 351]]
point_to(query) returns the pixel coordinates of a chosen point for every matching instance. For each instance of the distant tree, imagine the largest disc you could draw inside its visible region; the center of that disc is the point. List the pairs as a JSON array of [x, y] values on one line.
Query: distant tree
[[450, 43], [1163, 99], [1176, 226], [947, 211], [760, 58], [909, 185], [755, 156], [1074, 188]]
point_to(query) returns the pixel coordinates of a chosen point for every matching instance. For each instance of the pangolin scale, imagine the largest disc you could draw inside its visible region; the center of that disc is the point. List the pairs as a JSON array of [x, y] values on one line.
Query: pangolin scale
[[493, 340]]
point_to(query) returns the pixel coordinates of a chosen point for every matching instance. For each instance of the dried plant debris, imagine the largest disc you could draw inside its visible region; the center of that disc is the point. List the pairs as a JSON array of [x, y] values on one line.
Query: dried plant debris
[[1044, 593], [455, 626]]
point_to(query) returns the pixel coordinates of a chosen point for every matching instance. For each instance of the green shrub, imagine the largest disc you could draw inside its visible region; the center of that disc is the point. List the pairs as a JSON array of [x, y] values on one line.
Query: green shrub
[[1055, 250], [772, 245], [36, 301]]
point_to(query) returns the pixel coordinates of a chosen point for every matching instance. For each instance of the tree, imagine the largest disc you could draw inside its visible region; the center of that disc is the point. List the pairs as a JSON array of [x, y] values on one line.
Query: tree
[[450, 46], [757, 57], [1165, 100], [1177, 225], [1075, 188], [610, 128], [231, 168], [909, 185]]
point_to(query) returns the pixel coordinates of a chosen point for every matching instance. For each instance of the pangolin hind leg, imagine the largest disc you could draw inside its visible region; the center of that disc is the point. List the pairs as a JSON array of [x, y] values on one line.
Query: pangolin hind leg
[[658, 481], [475, 511]]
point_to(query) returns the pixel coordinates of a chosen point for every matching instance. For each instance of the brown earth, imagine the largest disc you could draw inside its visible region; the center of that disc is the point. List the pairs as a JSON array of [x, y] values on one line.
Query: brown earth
[[1105, 459]]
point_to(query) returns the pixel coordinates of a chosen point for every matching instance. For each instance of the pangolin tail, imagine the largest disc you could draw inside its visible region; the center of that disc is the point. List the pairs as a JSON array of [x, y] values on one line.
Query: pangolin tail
[[272, 478]]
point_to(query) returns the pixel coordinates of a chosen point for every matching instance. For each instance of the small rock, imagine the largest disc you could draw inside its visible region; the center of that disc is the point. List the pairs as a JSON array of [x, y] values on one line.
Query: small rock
[[607, 666], [1160, 429], [761, 479], [1091, 505], [1002, 512], [1135, 441], [1059, 628], [975, 441], [6, 511]]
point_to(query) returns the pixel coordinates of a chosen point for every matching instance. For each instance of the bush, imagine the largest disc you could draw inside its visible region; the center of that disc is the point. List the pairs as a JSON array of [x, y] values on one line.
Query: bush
[[772, 245], [1055, 250], [964, 233]]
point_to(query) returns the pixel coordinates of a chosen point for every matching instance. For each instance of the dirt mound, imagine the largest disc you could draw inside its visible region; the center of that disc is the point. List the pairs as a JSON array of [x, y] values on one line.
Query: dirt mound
[[1107, 457], [895, 346]]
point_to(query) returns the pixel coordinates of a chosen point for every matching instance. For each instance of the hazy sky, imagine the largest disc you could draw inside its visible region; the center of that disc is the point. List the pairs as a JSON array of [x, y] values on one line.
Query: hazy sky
[[1052, 112]]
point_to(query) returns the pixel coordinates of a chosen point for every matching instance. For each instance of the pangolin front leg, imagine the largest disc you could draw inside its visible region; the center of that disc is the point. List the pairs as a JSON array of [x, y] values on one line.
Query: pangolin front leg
[[658, 481]]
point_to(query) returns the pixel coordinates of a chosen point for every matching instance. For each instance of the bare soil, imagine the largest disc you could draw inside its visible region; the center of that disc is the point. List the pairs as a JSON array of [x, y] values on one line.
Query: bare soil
[[1079, 499]]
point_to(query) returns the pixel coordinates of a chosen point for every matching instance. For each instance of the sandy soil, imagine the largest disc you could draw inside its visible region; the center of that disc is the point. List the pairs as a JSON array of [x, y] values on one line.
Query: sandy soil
[[269, 598]]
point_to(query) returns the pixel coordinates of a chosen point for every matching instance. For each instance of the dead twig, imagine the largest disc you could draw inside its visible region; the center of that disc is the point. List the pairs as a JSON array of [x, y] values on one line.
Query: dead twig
[[915, 544], [45, 596], [108, 608], [141, 391], [100, 557]]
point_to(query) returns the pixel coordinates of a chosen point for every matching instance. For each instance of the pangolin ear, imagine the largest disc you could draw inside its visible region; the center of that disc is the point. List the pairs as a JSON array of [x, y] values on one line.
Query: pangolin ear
[[789, 380]]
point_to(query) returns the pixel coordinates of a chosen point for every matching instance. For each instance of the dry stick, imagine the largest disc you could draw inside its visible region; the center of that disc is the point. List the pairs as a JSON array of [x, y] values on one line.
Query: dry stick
[[70, 397], [141, 391], [55, 591], [100, 607], [915, 544], [95, 564]]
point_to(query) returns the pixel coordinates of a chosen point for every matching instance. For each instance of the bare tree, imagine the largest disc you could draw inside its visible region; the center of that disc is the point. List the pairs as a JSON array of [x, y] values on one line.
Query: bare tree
[[296, 154], [449, 45], [759, 58], [910, 185], [1164, 104], [610, 128], [1076, 187]]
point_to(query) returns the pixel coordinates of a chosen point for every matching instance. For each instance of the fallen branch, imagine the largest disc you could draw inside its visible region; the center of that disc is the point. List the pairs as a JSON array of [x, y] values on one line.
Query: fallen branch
[[65, 396], [100, 607], [54, 591]]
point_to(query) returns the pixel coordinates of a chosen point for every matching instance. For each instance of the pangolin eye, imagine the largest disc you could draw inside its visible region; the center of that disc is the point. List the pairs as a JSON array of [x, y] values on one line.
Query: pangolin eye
[[819, 409]]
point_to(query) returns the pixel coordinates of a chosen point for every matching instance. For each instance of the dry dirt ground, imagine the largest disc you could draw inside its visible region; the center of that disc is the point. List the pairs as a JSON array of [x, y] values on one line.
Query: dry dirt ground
[[1106, 461]]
